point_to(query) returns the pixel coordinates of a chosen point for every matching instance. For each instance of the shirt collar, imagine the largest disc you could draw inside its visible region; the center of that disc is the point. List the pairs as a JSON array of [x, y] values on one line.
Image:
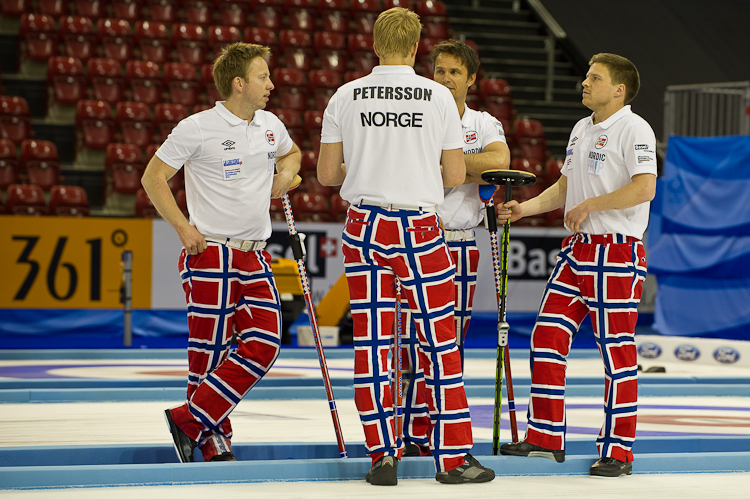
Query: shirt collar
[[398, 69], [625, 110], [234, 120], [466, 119]]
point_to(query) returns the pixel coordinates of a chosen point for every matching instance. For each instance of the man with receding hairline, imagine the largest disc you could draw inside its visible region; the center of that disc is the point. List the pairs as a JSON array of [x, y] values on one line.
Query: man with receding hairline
[[236, 157], [608, 180], [400, 149]]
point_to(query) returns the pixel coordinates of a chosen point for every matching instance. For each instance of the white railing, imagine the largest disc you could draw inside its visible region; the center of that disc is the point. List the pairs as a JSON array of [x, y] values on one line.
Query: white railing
[[707, 109]]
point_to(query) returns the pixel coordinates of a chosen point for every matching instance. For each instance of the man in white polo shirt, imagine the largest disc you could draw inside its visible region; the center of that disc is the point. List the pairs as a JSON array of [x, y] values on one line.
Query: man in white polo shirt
[[484, 146], [607, 183], [394, 130], [236, 157]]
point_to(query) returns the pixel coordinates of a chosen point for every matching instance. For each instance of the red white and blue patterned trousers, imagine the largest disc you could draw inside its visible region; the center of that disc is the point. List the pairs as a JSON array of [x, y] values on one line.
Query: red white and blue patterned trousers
[[379, 245], [465, 256], [227, 290], [600, 276]]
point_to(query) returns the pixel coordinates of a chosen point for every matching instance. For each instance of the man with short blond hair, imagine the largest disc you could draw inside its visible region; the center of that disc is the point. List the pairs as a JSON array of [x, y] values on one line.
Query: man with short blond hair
[[236, 157], [607, 183], [399, 136]]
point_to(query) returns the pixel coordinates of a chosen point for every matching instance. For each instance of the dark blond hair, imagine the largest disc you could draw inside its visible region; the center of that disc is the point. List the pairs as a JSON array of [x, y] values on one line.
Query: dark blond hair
[[396, 31], [235, 60], [467, 55], [622, 71]]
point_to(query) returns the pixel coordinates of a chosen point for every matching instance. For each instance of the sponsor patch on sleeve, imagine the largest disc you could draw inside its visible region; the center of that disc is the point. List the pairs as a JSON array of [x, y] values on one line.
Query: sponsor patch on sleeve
[[644, 154]]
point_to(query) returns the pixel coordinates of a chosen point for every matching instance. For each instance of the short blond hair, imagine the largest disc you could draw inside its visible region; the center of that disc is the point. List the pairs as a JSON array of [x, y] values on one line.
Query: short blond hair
[[621, 70], [235, 60], [396, 31]]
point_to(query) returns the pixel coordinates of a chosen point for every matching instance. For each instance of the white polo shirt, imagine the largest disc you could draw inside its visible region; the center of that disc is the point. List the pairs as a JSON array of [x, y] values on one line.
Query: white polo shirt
[[394, 126], [463, 208], [229, 168], [604, 157]]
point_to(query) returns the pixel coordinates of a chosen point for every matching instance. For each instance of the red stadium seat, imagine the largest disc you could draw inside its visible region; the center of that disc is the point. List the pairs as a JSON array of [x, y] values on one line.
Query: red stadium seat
[[365, 12], [529, 166], [38, 34], [497, 97], [78, 37], [526, 128], [68, 201], [9, 168], [293, 122], [144, 81], [323, 85], [310, 183], [353, 75], [54, 8], [123, 168], [144, 208], [208, 85], [198, 11], [552, 170], [94, 120], [301, 14], [181, 83], [435, 29], [166, 117], [122, 154], [533, 148], [404, 4], [334, 15], [153, 41], [115, 38], [93, 9], [361, 53], [40, 163], [162, 11], [151, 151], [25, 200], [431, 8], [129, 10], [134, 120], [105, 80], [261, 36], [65, 75], [313, 125], [309, 162], [233, 13], [296, 45], [219, 37], [310, 207], [277, 210], [15, 8], [331, 50], [202, 107], [177, 182], [267, 15], [291, 85], [190, 43], [15, 119], [339, 208]]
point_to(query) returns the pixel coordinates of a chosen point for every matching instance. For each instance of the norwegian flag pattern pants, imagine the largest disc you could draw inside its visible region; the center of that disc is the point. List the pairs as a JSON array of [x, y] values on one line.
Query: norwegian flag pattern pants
[[600, 276], [465, 257], [227, 290], [379, 245]]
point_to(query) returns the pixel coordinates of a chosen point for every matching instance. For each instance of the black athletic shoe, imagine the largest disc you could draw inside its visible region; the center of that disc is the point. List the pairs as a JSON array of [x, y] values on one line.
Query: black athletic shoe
[[183, 445], [383, 472], [524, 449], [411, 450], [610, 467], [224, 456], [469, 472]]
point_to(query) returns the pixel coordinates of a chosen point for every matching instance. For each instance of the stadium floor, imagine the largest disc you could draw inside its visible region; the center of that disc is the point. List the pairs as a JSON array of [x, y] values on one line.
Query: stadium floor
[[85, 418]]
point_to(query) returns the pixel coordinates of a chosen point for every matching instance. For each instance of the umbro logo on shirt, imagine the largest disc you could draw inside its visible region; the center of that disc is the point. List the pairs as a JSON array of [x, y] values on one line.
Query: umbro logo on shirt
[[228, 145]]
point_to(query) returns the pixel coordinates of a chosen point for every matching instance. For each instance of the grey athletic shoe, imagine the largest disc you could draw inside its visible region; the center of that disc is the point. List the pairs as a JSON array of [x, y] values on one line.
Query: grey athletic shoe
[[383, 472], [526, 449], [469, 472]]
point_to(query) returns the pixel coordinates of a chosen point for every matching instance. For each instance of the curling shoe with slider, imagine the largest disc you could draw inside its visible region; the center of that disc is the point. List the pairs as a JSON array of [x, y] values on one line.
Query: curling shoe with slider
[[183, 445], [469, 472], [610, 467], [528, 450], [383, 472]]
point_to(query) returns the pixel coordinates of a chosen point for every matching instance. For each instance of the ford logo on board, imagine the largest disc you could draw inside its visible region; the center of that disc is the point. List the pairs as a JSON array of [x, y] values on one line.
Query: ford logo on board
[[649, 350], [687, 352], [726, 355]]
